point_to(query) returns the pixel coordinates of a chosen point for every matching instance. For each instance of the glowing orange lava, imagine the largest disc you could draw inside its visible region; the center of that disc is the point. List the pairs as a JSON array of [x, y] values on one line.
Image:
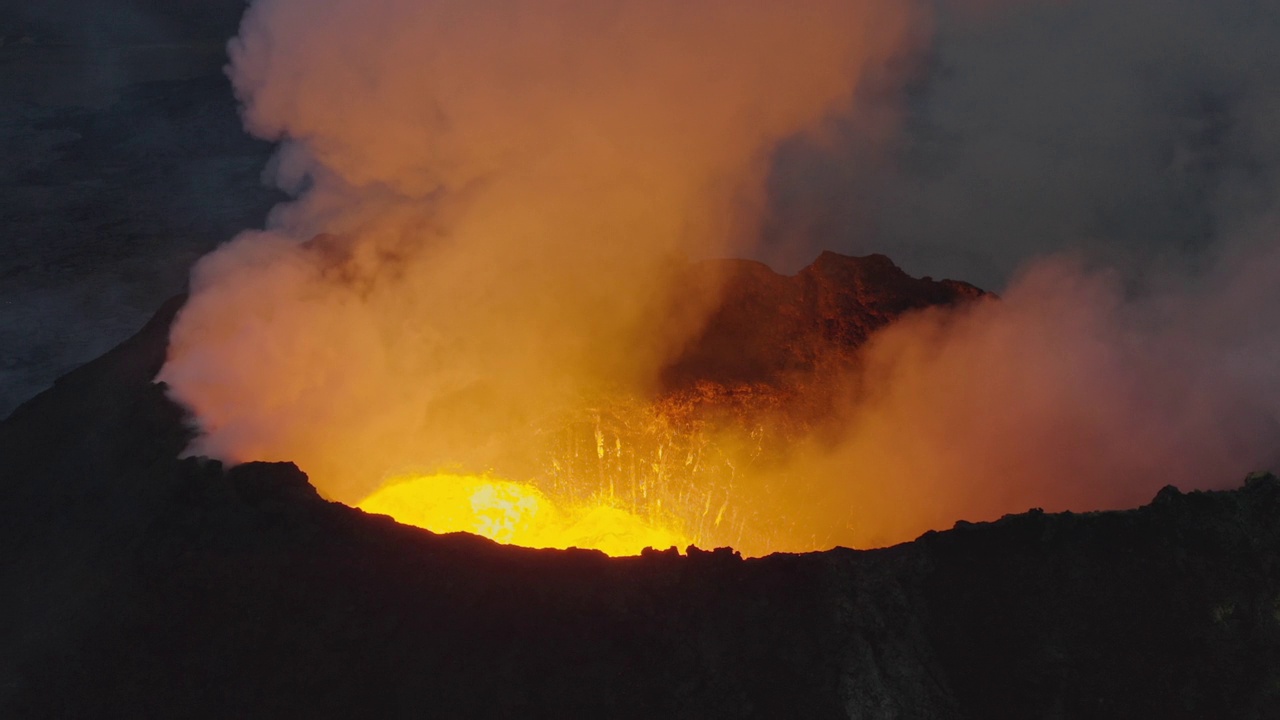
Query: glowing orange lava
[[517, 514]]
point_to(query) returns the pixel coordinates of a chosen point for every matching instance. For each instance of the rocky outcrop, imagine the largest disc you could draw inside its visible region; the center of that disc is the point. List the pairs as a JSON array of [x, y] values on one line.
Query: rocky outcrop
[[141, 585], [770, 328]]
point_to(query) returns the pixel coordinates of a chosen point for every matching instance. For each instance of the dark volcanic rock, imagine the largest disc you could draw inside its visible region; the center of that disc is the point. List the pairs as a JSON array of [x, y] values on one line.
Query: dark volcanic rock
[[140, 585], [770, 327]]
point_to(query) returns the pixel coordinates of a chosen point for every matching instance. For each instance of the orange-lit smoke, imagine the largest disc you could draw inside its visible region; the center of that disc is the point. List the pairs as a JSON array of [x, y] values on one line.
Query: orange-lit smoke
[[492, 197], [493, 205], [1067, 394]]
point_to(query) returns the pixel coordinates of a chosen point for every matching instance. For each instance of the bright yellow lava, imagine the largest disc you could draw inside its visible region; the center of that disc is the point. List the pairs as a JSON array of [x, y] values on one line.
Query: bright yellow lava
[[515, 514]]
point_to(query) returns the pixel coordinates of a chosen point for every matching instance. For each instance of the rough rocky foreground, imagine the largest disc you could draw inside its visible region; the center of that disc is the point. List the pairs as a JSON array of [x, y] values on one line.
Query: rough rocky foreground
[[136, 584]]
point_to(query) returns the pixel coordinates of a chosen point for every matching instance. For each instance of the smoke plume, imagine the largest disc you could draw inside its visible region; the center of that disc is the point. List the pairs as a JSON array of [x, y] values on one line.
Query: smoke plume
[[1135, 132], [1111, 167], [1066, 394], [491, 202], [494, 202]]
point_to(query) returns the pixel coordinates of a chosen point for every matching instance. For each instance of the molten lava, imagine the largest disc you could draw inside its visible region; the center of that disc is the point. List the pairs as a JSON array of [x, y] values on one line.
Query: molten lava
[[617, 475], [518, 514]]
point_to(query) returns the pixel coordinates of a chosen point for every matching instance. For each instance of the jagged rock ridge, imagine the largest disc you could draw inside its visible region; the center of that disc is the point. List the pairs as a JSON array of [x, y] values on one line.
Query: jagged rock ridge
[[770, 327]]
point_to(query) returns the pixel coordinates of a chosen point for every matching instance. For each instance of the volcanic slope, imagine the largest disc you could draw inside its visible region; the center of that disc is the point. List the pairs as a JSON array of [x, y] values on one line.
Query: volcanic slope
[[141, 585]]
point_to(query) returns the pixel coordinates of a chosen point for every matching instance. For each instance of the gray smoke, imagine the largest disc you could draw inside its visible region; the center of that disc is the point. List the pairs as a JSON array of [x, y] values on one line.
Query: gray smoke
[[1111, 167], [1141, 133]]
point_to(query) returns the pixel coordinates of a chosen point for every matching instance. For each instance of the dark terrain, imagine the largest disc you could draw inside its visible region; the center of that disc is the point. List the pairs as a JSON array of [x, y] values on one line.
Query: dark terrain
[[141, 585]]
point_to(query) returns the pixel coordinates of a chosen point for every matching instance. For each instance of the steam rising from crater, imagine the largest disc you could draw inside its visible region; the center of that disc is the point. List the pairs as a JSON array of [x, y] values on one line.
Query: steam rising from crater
[[494, 201], [494, 206], [1068, 393]]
